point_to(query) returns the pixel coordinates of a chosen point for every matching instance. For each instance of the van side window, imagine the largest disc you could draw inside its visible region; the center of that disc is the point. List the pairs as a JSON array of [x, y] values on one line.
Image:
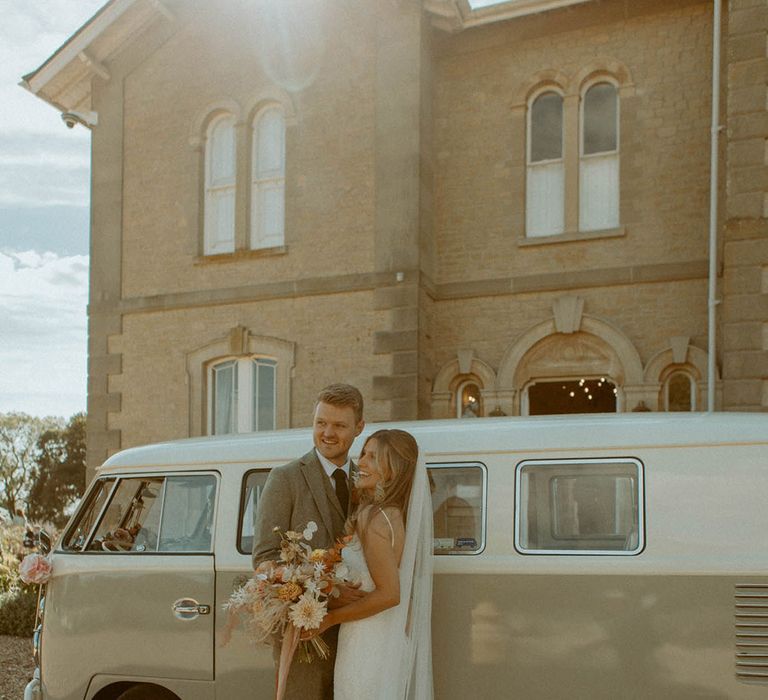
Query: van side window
[[458, 507], [252, 487], [149, 514], [591, 506], [188, 513], [90, 509], [458, 502]]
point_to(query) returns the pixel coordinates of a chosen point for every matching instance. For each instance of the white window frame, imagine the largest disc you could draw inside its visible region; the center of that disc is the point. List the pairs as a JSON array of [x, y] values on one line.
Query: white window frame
[[244, 391], [585, 160], [551, 164], [235, 399], [483, 514], [554, 463], [217, 242], [272, 180]]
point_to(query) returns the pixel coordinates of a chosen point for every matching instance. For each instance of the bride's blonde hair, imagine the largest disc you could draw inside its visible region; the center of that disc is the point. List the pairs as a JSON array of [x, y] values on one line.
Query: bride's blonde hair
[[398, 452]]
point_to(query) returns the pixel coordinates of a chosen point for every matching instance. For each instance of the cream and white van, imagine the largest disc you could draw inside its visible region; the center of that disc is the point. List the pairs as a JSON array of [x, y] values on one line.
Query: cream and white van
[[600, 557]]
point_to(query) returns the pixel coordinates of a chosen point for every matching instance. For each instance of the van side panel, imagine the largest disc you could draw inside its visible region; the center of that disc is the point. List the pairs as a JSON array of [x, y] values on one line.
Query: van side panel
[[243, 668], [599, 637], [112, 614]]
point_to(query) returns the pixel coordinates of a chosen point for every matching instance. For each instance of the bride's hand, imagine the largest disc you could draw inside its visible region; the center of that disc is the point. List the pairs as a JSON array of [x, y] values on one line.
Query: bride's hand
[[306, 635], [347, 594]]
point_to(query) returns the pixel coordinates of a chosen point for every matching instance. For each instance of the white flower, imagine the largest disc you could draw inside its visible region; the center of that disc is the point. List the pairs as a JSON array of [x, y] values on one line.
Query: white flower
[[310, 530], [307, 612], [311, 586], [319, 570]]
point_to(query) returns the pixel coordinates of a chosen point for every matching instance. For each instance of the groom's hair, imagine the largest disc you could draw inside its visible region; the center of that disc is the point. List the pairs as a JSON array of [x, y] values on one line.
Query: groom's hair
[[343, 395]]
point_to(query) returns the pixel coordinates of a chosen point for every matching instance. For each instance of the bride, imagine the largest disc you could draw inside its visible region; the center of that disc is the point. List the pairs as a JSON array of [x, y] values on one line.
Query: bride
[[384, 650]]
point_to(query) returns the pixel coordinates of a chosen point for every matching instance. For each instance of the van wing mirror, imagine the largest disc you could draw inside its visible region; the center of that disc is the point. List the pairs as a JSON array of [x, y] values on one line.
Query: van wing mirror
[[43, 541]]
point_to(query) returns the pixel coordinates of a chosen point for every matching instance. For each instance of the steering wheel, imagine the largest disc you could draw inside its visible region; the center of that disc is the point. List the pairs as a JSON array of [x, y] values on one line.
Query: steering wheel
[[116, 545]]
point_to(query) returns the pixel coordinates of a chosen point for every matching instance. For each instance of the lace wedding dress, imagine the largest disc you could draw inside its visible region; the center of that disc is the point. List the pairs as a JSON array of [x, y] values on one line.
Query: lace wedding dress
[[388, 656]]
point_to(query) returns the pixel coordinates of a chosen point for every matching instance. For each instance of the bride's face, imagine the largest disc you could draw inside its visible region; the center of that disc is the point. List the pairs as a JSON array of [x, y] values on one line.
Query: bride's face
[[369, 473]]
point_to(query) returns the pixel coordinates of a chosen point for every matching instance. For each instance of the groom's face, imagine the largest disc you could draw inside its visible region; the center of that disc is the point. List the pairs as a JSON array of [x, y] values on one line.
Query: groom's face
[[335, 429]]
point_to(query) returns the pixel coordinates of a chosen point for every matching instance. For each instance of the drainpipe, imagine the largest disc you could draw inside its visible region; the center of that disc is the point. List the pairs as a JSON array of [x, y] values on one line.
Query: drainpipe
[[713, 194]]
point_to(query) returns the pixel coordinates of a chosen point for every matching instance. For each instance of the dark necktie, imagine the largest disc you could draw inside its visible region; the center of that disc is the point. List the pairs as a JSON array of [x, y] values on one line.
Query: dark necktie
[[342, 490]]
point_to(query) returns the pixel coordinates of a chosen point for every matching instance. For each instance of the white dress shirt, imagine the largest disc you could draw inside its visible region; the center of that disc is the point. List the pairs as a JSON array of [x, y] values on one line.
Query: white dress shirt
[[330, 467]]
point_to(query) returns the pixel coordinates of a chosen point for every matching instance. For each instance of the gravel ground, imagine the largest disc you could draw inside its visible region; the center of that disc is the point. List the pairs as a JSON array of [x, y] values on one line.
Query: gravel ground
[[17, 666]]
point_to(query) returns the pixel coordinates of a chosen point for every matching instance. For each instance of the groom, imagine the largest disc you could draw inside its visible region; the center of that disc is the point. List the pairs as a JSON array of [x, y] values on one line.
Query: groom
[[314, 487]]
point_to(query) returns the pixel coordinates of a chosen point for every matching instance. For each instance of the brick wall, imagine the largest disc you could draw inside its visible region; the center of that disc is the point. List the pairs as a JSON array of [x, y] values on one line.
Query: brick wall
[[745, 245], [406, 154]]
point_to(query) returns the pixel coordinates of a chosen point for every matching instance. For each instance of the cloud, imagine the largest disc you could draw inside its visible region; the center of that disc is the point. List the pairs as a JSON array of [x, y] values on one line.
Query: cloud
[[43, 298], [42, 163], [44, 195], [30, 33]]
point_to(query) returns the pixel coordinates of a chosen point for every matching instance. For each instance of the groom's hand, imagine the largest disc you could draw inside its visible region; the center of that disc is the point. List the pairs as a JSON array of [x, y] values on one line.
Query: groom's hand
[[347, 594]]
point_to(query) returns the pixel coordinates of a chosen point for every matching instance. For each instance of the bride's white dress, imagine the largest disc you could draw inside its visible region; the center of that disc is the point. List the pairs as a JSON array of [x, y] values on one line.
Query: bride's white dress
[[388, 656], [362, 643]]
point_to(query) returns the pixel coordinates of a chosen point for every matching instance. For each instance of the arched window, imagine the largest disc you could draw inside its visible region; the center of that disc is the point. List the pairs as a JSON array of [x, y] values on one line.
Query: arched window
[[545, 180], [599, 163], [680, 392], [242, 395], [220, 162], [268, 178], [469, 400]]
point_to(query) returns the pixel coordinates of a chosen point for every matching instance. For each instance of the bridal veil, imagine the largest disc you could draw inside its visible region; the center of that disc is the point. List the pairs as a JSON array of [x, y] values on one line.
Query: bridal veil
[[408, 666]]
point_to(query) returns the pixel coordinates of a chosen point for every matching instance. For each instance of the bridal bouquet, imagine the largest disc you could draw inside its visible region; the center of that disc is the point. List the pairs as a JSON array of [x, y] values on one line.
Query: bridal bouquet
[[287, 597]]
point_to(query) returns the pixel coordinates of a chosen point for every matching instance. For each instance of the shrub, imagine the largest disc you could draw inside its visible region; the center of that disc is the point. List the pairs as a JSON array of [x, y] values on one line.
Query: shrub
[[17, 611], [17, 600], [11, 553]]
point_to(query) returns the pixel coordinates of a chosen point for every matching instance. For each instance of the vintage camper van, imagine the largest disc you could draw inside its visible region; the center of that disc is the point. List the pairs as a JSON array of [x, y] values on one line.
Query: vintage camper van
[[618, 556]]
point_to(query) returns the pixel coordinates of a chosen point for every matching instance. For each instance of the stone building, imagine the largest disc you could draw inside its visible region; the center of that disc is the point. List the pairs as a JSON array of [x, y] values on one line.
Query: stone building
[[462, 210]]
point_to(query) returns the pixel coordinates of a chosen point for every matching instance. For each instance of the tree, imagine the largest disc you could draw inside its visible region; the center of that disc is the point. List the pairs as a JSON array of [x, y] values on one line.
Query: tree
[[58, 478], [19, 449]]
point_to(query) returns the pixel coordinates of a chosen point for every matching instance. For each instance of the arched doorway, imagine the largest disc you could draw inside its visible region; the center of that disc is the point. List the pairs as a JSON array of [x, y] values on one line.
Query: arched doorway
[[588, 354]]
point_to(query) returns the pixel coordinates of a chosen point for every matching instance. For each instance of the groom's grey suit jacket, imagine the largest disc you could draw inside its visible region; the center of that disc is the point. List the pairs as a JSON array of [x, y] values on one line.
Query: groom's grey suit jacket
[[294, 494]]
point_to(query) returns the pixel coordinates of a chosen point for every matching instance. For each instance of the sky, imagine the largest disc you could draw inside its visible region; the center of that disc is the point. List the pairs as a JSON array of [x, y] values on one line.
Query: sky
[[44, 203]]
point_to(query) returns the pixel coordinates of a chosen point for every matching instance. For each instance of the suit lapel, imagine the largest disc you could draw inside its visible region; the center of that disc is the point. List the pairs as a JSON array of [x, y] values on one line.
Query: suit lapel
[[320, 488]]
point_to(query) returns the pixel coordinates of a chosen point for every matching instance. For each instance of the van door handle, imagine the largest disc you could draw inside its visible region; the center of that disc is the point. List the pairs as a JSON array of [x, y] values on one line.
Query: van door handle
[[189, 609]]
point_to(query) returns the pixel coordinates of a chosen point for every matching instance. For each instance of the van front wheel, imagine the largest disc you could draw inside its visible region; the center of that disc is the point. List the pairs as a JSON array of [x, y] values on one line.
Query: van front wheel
[[144, 691]]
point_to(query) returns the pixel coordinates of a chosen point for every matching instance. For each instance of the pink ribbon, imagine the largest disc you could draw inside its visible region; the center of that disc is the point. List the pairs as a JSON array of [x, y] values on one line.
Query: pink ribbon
[[287, 650]]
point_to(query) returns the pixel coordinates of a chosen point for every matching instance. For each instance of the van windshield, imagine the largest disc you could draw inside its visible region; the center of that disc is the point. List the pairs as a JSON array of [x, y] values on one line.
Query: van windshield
[[153, 513]]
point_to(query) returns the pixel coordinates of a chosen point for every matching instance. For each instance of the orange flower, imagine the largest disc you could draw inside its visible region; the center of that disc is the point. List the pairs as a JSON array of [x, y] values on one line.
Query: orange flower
[[332, 556], [289, 591]]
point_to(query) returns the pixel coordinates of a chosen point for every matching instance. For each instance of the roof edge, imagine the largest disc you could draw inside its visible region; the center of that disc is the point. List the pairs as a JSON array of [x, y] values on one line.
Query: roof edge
[[72, 47], [457, 15]]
